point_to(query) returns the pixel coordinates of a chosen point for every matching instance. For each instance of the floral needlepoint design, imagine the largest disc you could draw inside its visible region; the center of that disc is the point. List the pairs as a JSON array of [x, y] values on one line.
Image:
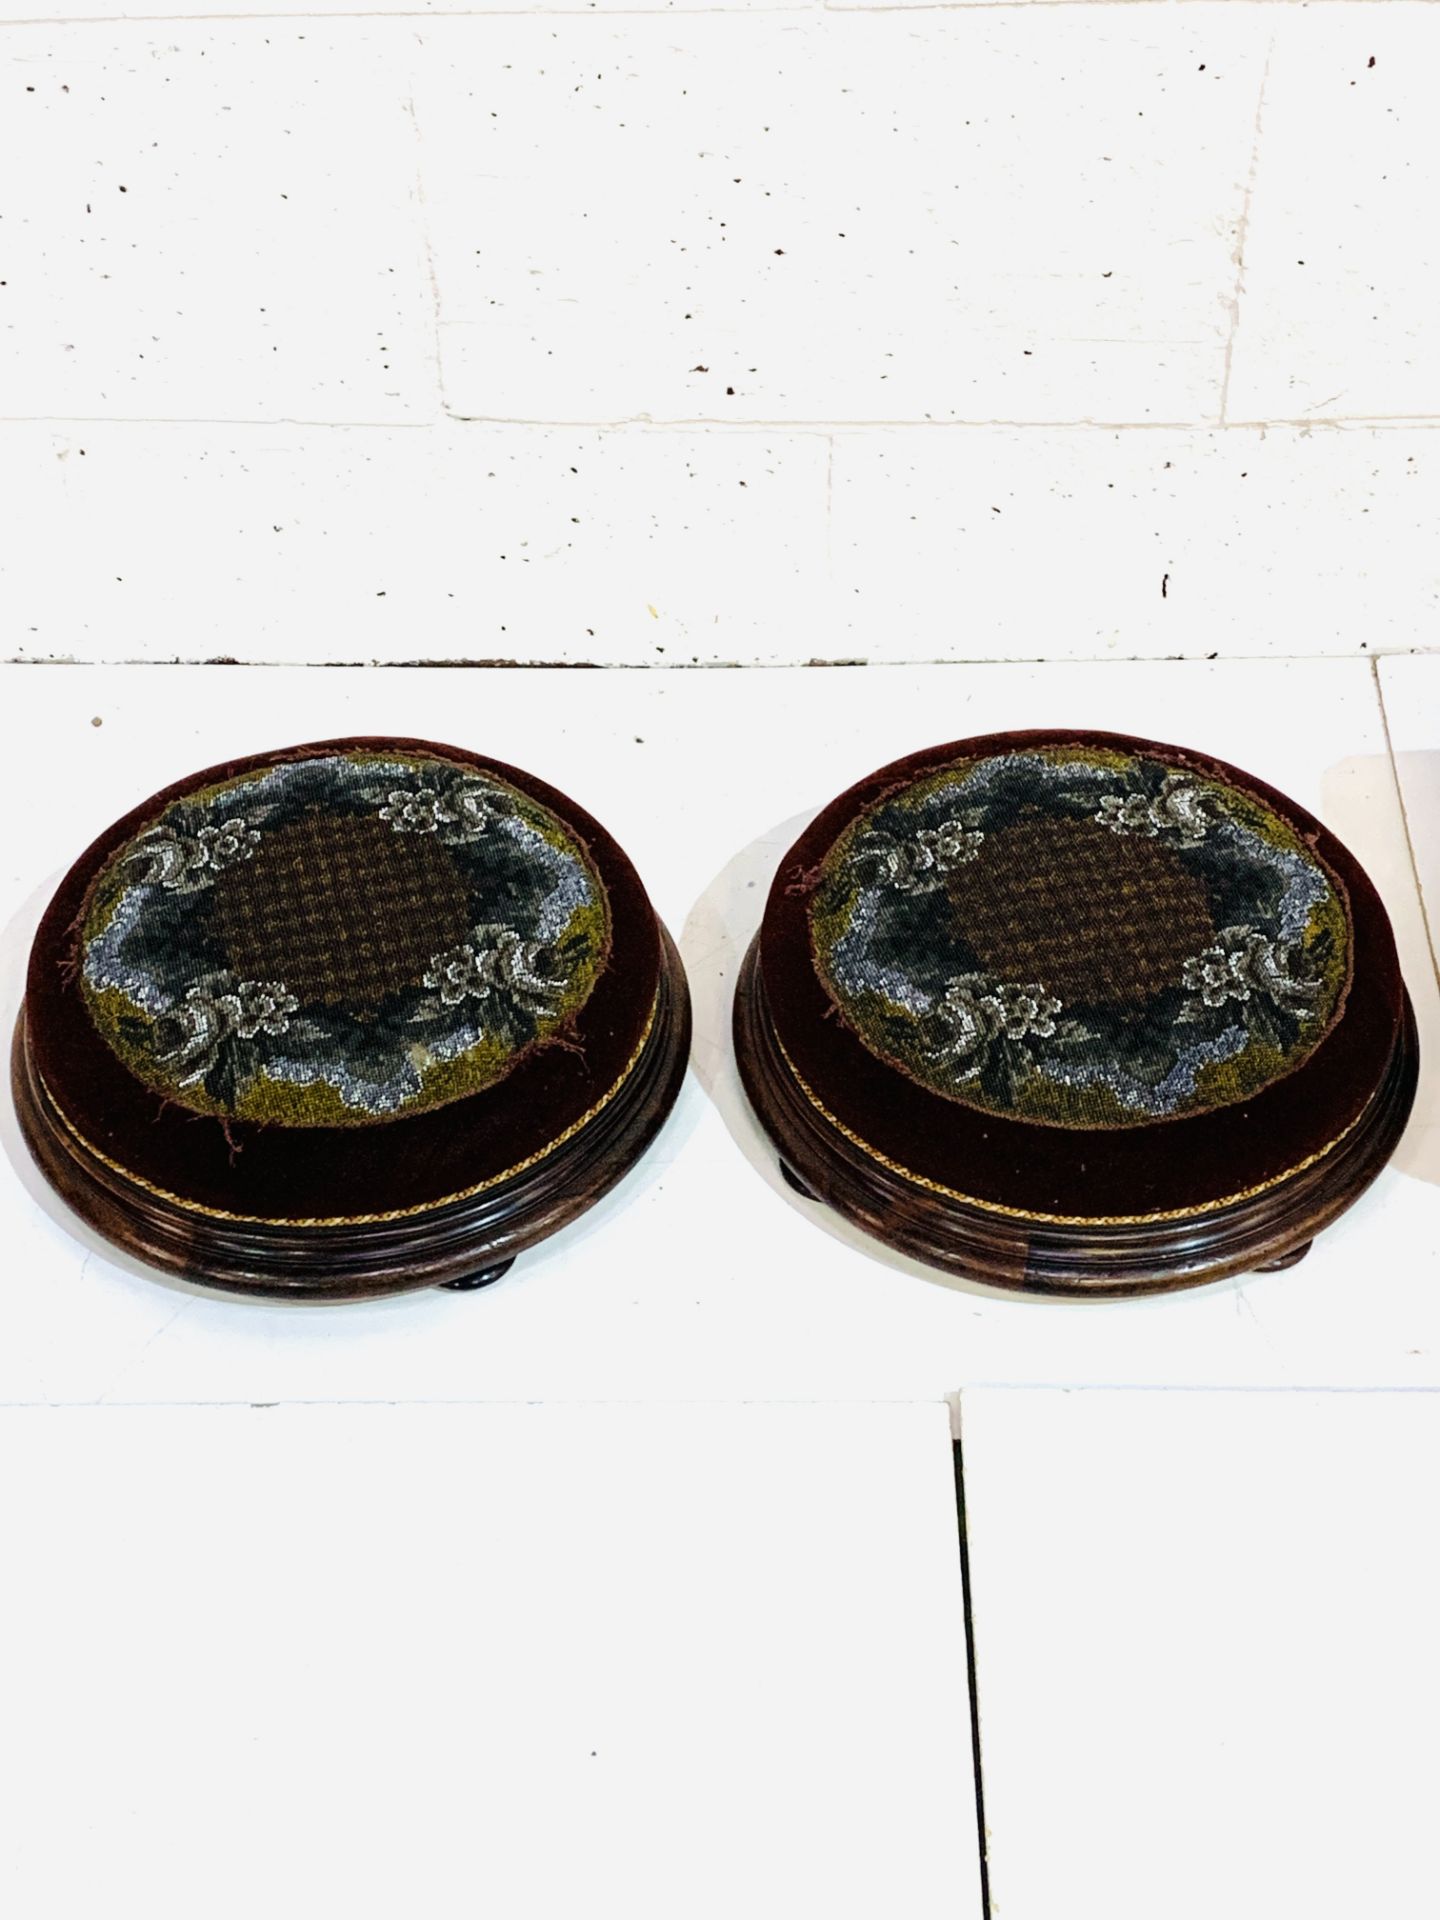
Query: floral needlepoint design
[[920, 863], [336, 939], [167, 857], [1250, 968], [1084, 939], [457, 975], [499, 967], [218, 1012], [981, 1026], [419, 811], [457, 811], [1181, 808]]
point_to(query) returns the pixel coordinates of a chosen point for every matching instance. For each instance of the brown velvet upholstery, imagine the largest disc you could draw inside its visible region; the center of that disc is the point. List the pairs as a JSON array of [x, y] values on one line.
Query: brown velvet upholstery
[[280, 1172], [1188, 1161]]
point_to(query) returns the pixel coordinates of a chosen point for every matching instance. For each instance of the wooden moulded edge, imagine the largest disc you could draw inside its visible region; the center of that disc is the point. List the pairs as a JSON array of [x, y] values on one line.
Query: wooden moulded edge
[[1266, 1226], [442, 1243]]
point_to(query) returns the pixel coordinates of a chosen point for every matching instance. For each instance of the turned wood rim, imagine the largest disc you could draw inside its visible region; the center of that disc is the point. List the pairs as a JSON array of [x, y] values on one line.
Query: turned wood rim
[[367, 1257], [1101, 1257]]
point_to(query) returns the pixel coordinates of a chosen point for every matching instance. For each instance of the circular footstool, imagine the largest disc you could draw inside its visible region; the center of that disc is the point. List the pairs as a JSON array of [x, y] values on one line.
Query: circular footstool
[[1076, 1013], [347, 1019]]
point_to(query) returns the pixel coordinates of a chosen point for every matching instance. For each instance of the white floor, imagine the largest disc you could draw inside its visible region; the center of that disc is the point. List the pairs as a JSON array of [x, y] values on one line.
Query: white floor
[[446, 1661], [1206, 1663]]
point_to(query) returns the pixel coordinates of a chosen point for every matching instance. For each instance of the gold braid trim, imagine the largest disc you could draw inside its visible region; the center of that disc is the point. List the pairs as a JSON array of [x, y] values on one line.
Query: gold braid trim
[[362, 1219], [1053, 1219]]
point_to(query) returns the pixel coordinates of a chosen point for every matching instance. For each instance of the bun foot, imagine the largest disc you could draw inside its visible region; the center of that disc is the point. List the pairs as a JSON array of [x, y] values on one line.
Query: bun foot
[[1291, 1259], [471, 1281], [796, 1184]]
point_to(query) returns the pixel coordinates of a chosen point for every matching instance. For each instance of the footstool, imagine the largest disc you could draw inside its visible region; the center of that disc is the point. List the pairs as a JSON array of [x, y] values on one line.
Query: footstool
[[347, 1019], [1076, 1013]]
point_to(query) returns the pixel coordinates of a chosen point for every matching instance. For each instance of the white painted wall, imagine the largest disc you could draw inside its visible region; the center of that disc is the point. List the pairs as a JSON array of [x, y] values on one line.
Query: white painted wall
[[759, 334]]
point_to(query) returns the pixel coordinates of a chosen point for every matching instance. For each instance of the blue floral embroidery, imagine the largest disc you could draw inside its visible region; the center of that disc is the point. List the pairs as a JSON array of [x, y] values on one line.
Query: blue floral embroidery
[[327, 1006], [1082, 940]]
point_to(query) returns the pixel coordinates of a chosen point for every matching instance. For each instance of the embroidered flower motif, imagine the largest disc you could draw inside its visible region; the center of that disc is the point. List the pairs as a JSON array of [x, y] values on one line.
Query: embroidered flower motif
[[975, 1013], [1243, 965], [967, 1024], [1127, 813], [495, 964], [474, 807], [1180, 808], [901, 926], [262, 1006], [415, 810], [919, 863], [228, 843], [220, 1010], [183, 863], [456, 975], [457, 813], [301, 999], [1026, 1010]]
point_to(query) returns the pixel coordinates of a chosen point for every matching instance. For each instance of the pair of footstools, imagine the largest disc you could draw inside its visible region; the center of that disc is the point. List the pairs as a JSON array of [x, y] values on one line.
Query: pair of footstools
[[1067, 1012]]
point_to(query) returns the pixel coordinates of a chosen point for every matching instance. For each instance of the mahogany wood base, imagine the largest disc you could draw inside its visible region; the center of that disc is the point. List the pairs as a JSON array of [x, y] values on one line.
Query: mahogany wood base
[[1291, 1259], [1265, 1233], [797, 1185], [463, 1246], [472, 1282]]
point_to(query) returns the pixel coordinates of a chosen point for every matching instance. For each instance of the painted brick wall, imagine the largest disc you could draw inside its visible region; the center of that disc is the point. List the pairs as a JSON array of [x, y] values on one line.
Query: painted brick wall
[[709, 334]]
